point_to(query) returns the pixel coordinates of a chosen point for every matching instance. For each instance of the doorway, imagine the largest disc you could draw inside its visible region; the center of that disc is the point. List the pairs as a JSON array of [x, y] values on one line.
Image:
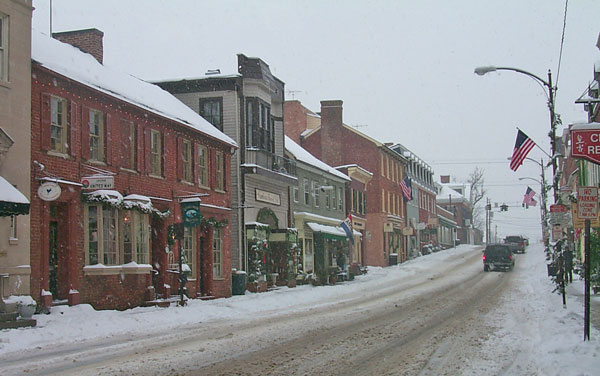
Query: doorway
[[58, 271]]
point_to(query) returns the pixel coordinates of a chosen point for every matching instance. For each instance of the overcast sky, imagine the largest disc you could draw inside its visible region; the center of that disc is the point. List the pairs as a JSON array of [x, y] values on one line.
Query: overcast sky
[[404, 69]]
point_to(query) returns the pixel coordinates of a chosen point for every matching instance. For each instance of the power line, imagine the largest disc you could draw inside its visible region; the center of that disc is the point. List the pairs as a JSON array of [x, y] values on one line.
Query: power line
[[562, 42]]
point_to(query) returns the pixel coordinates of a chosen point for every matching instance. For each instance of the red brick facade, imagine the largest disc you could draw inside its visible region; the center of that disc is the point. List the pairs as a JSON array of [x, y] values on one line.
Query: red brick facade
[[337, 144], [62, 222]]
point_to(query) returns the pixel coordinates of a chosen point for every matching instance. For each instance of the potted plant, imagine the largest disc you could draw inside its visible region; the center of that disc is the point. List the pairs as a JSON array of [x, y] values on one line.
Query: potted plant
[[26, 306]]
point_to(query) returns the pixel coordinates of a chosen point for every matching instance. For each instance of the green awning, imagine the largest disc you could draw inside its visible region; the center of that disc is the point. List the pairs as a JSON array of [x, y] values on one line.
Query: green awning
[[328, 232]]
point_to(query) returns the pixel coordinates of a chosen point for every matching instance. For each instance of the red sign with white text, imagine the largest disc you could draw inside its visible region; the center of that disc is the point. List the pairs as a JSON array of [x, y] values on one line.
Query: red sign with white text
[[585, 143]]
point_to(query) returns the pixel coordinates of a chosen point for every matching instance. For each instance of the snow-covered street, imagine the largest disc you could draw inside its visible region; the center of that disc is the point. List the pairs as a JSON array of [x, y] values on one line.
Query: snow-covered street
[[424, 316]]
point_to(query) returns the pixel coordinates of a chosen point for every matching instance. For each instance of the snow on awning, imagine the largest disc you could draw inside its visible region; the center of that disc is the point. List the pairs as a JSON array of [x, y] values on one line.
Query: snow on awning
[[12, 201], [333, 232]]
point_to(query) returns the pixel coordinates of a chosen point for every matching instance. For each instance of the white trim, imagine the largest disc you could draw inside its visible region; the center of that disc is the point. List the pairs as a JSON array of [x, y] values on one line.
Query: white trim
[[61, 181]]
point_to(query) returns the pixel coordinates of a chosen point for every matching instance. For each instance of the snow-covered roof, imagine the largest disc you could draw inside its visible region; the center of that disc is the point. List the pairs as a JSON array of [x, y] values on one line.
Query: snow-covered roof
[[447, 193], [584, 126], [304, 156], [70, 62]]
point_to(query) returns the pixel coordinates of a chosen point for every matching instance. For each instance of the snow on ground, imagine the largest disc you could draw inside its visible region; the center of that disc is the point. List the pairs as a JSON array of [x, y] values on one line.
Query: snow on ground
[[531, 318]]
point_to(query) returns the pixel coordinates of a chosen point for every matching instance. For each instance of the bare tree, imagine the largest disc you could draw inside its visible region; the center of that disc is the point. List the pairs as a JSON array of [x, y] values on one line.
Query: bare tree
[[477, 192]]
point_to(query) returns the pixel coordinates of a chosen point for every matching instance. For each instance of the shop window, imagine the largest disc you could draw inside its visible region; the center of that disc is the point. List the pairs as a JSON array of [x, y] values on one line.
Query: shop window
[[189, 249], [217, 253], [58, 125], [116, 237]]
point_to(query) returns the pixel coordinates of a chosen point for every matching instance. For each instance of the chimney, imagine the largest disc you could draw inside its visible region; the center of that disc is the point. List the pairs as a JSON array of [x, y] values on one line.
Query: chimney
[[445, 179], [331, 132], [88, 40]]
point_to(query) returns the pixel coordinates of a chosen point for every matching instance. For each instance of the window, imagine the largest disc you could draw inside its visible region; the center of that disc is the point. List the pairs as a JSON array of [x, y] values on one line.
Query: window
[[217, 252], [212, 110], [156, 153], [296, 194], [129, 144], [116, 237], [58, 125], [354, 200], [389, 208], [96, 136], [3, 47], [220, 171], [340, 199], [187, 161], [203, 166], [333, 199], [189, 249], [259, 125], [383, 200], [382, 166], [135, 233], [316, 193], [361, 206], [327, 200], [13, 228], [306, 192]]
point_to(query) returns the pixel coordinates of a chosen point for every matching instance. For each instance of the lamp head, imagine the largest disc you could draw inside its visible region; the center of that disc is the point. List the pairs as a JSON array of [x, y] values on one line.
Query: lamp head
[[483, 70]]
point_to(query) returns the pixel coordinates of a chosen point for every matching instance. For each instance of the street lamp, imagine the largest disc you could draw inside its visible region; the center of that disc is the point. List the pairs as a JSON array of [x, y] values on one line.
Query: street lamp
[[548, 84]]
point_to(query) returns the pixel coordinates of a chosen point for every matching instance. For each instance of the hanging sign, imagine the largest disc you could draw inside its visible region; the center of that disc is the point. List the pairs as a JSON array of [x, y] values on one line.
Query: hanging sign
[[190, 213], [580, 223], [49, 191], [559, 215], [98, 182]]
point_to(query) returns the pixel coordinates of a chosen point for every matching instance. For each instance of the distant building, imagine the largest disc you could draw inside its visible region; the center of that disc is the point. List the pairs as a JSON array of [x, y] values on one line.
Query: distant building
[[451, 197]]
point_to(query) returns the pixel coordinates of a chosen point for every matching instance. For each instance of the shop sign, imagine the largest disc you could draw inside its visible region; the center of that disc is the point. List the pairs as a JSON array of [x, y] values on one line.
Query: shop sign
[[268, 197], [49, 191], [559, 215], [408, 231], [190, 213], [556, 233], [433, 221], [587, 202], [586, 142], [98, 182], [388, 227]]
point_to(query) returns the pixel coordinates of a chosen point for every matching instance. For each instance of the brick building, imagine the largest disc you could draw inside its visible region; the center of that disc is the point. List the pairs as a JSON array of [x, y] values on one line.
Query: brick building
[[451, 197], [337, 144], [96, 128]]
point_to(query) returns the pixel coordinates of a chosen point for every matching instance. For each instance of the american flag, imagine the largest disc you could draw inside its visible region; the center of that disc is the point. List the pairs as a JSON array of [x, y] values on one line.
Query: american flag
[[523, 146], [528, 199], [406, 186]]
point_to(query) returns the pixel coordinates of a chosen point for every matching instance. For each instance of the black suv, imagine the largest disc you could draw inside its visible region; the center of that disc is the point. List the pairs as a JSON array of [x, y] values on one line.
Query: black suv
[[498, 256]]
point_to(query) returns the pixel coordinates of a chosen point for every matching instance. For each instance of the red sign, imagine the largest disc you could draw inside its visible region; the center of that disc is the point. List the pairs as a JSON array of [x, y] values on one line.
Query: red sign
[[558, 208], [585, 141]]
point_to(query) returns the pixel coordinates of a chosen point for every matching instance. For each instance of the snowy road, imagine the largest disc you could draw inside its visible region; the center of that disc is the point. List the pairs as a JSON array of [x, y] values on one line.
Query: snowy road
[[437, 315]]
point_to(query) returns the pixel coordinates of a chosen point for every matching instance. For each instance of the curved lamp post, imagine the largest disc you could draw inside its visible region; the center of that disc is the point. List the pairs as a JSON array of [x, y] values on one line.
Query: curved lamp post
[[548, 84]]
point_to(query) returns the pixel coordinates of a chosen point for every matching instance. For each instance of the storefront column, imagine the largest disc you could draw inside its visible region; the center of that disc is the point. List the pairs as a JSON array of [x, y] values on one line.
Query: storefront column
[[207, 261]]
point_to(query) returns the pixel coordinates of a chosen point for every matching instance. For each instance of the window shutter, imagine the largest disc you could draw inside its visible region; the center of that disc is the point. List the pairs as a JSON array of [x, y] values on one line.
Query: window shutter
[[148, 154], [140, 147], [74, 129], [179, 158], [85, 132], [108, 145], [46, 119], [195, 162]]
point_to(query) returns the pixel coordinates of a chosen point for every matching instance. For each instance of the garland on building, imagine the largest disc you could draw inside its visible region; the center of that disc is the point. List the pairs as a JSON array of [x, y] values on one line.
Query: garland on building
[[257, 255], [114, 199]]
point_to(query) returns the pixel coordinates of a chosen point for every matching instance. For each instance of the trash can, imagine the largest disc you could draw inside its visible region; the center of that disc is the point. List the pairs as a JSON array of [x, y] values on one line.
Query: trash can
[[238, 283], [393, 259]]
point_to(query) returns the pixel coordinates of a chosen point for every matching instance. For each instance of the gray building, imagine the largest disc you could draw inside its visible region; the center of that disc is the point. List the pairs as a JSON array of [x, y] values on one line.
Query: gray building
[[318, 205], [248, 107]]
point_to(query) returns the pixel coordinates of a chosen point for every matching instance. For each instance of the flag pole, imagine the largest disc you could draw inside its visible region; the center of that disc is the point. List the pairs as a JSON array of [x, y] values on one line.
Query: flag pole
[[535, 143]]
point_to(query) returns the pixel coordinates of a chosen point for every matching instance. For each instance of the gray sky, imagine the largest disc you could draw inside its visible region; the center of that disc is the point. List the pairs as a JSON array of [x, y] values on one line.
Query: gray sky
[[404, 69]]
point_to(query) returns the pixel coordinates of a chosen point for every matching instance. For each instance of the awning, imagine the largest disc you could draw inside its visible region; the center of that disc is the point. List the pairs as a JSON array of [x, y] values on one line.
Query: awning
[[12, 202], [329, 232]]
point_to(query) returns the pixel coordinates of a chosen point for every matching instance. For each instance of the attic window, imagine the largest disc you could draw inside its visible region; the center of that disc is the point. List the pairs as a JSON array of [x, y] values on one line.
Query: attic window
[[212, 72]]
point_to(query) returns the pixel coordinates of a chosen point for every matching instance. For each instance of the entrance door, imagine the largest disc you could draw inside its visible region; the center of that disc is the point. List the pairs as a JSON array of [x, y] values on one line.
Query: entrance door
[[53, 259]]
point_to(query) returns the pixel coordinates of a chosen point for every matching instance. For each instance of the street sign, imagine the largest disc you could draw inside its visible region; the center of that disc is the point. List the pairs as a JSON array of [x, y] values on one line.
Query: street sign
[[559, 215], [580, 223], [587, 202], [556, 233], [98, 182], [585, 140]]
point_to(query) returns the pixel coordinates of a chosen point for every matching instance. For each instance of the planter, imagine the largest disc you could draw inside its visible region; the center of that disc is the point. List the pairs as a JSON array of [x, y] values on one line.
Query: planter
[[291, 283], [259, 286]]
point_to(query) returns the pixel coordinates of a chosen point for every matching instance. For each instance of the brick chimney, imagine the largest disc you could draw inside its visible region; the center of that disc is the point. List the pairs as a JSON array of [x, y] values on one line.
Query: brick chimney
[[331, 132], [88, 40], [445, 179]]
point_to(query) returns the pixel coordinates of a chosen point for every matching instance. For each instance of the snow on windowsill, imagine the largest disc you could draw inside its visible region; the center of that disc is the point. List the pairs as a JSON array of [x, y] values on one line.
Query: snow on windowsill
[[130, 268]]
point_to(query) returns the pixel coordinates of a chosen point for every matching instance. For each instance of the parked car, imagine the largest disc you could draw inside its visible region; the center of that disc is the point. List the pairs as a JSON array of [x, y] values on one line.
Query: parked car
[[498, 256], [426, 249], [516, 243]]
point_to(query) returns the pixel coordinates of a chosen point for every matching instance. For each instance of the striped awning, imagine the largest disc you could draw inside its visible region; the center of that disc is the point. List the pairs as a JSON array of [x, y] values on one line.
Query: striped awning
[[12, 202]]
